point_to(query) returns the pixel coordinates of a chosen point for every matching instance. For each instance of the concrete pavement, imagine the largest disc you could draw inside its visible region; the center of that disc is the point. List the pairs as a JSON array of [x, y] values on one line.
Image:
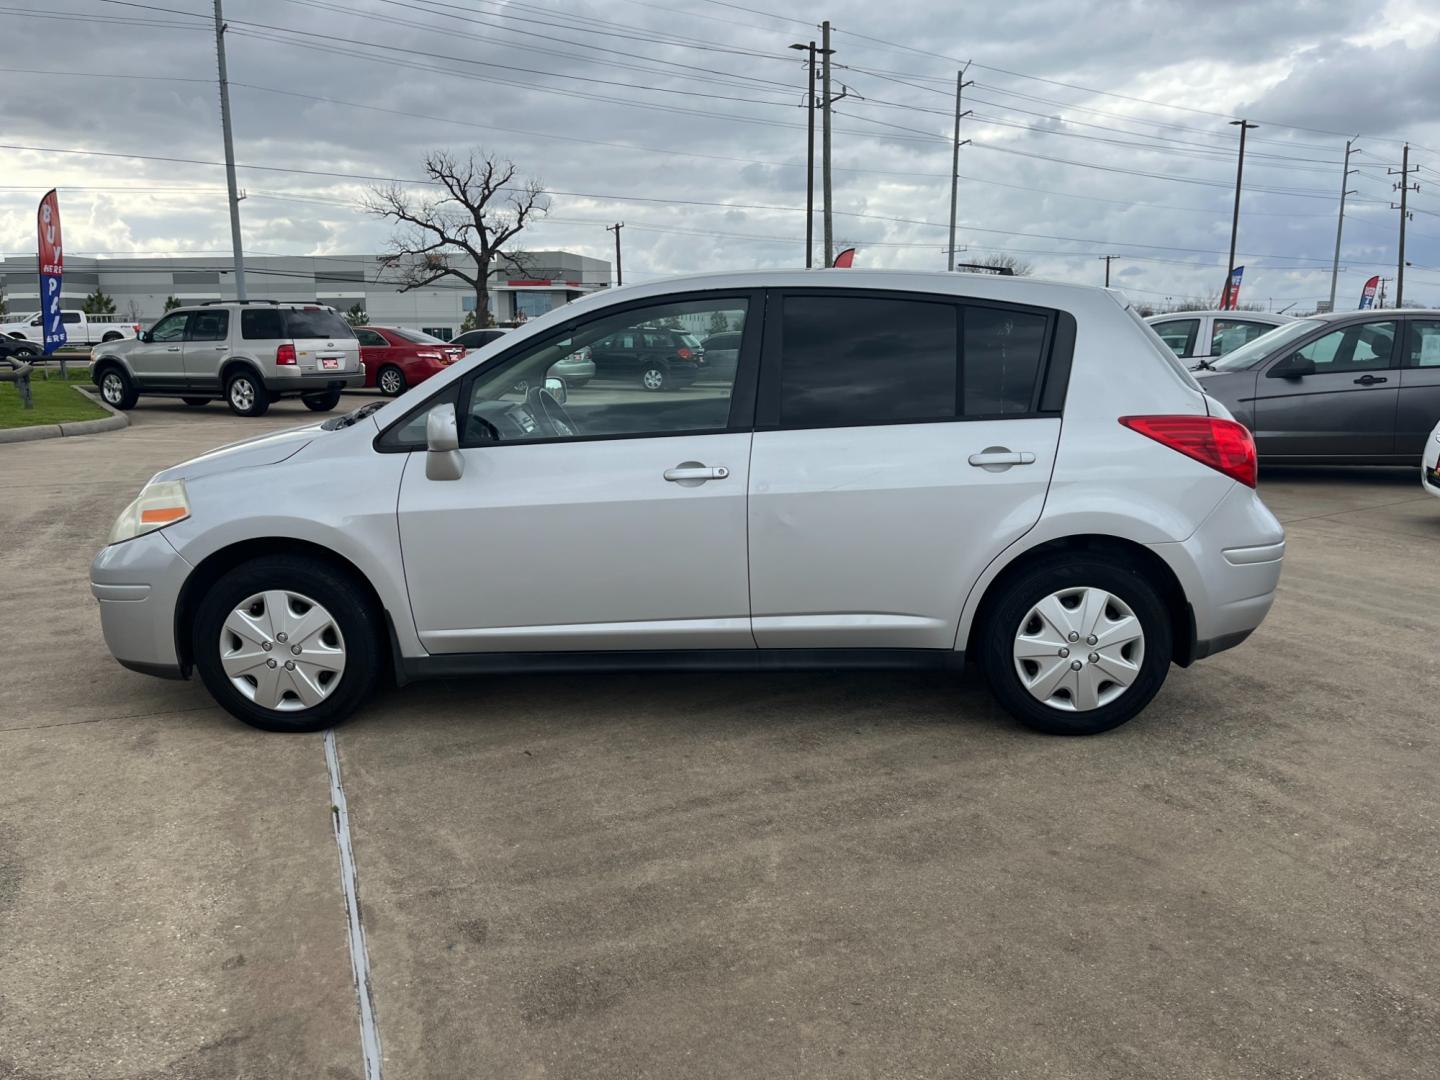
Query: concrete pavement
[[867, 875]]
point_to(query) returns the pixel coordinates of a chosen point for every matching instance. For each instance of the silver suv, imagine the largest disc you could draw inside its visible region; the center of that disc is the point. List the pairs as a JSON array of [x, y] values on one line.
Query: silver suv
[[249, 354]]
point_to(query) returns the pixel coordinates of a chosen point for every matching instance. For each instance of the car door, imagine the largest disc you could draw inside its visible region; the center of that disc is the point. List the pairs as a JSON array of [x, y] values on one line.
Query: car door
[[618, 355], [1343, 408], [901, 444], [206, 348], [373, 351], [1179, 335], [623, 530], [159, 362], [1418, 409]]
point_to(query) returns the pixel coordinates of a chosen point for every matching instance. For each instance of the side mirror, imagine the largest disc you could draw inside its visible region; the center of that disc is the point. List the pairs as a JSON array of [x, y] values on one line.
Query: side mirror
[[144, 337], [1293, 366], [555, 387], [442, 445], [35, 322]]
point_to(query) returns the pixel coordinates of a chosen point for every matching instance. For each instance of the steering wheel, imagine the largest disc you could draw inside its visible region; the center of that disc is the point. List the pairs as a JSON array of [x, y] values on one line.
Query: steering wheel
[[549, 413]]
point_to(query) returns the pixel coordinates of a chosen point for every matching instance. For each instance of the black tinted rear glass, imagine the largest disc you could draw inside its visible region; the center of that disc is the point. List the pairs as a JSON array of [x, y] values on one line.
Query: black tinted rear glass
[[305, 323], [1003, 351], [261, 324]]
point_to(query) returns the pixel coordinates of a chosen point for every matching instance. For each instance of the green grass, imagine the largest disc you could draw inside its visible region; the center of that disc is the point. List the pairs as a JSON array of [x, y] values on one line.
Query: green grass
[[55, 402]]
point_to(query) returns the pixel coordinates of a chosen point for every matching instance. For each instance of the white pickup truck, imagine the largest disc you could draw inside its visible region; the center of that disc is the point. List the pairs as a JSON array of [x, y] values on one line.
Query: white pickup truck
[[81, 329]]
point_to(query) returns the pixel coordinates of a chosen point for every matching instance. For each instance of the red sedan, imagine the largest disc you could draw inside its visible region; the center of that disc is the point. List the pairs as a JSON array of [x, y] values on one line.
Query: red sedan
[[396, 358]]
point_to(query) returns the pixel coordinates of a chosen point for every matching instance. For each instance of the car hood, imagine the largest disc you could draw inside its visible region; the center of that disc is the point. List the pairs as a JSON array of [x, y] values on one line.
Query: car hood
[[245, 454]]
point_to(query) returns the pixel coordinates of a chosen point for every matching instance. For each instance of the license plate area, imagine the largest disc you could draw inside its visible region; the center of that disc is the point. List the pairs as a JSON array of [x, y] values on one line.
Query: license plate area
[[330, 363]]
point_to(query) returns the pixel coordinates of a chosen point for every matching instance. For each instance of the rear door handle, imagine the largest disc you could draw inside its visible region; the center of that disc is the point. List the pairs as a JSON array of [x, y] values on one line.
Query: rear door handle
[[693, 472], [999, 457], [1370, 380], [173, 348]]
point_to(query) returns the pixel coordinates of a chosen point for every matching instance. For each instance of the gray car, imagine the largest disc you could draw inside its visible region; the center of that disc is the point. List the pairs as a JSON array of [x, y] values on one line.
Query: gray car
[[1356, 388]]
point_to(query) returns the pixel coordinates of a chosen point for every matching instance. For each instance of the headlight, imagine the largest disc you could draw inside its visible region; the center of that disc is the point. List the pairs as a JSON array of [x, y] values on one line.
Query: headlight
[[158, 504]]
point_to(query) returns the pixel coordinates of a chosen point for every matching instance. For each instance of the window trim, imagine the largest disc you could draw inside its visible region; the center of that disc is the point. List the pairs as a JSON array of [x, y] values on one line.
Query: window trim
[[1051, 380], [742, 393]]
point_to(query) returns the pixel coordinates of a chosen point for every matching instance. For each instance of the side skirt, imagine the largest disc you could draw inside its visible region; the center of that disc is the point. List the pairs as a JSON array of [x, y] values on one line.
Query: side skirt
[[513, 663]]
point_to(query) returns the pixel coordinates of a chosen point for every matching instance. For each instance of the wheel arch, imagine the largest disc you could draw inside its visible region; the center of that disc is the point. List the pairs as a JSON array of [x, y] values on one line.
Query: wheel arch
[[104, 364], [220, 562], [1155, 569], [235, 364]]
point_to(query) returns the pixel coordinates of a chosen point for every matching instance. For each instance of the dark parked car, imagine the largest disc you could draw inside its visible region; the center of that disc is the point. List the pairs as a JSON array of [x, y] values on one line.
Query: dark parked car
[[722, 352], [659, 359], [474, 339], [1356, 388]]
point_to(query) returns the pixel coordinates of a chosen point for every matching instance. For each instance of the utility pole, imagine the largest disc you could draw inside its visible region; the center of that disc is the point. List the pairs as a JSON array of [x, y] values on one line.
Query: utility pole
[[235, 240], [1380, 301], [960, 85], [619, 273], [809, 155], [826, 53], [1340, 225], [1244, 126], [1403, 186], [1107, 259]]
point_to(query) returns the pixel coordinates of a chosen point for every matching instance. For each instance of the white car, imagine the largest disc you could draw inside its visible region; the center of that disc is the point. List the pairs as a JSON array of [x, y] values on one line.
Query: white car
[[903, 470], [80, 328], [1200, 337], [1430, 464]]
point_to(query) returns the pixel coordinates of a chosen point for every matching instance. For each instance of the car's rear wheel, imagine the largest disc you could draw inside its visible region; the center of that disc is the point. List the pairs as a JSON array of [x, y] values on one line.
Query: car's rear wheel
[[111, 337], [654, 377], [321, 402], [196, 402], [117, 390], [287, 643], [391, 381], [246, 395], [1076, 644]]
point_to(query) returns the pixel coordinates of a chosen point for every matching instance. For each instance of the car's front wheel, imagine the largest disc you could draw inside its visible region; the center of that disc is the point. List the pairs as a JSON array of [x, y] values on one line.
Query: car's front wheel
[[1076, 644], [654, 377], [287, 643], [117, 390], [246, 395]]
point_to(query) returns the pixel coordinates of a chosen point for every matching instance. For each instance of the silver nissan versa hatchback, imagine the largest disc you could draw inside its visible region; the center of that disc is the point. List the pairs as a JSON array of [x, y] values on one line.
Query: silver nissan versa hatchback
[[901, 469]]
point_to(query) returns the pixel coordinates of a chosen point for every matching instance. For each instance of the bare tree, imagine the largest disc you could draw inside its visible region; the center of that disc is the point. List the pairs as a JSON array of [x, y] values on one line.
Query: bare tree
[[479, 212], [1005, 261]]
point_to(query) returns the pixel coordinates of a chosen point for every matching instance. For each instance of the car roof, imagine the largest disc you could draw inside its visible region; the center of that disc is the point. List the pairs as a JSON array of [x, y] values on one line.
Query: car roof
[[1253, 316], [1372, 313]]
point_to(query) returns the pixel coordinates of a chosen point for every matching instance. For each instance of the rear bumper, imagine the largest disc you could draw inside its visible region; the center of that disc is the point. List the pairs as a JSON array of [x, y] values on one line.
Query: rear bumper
[[1229, 569], [138, 586]]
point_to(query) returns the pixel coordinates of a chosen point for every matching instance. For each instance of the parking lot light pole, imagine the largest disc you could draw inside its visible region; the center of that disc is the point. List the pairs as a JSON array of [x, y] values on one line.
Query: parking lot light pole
[[619, 271], [1345, 174], [1244, 126], [235, 240]]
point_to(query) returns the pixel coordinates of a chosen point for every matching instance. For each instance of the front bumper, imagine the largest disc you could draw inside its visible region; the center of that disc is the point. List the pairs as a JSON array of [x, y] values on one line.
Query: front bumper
[[1229, 569], [138, 585], [1430, 465]]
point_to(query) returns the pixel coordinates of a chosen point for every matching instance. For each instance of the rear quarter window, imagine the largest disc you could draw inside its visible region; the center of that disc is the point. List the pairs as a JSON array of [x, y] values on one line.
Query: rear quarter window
[[303, 323], [262, 324]]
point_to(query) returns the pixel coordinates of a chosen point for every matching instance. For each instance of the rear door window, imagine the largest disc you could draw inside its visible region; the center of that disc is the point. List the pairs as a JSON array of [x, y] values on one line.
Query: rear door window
[[1004, 350], [1423, 349], [370, 339], [1227, 335], [209, 325], [1178, 335]]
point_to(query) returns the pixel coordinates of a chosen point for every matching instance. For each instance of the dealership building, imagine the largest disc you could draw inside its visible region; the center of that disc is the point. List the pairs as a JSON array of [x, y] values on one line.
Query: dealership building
[[530, 285]]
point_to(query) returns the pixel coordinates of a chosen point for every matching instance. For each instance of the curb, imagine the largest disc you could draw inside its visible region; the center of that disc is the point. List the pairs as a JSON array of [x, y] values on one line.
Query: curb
[[113, 422]]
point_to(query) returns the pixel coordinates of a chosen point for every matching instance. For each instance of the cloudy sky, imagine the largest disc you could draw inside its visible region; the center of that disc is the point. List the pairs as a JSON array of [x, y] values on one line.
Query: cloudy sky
[[1097, 128]]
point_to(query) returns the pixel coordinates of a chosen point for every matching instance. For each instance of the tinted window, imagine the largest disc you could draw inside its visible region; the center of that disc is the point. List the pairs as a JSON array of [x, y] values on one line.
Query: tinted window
[[171, 327], [70, 318], [261, 324], [1178, 335], [1269, 344], [316, 323], [1227, 335], [370, 339], [210, 325], [723, 341], [1423, 349], [849, 360], [1359, 347], [1003, 353]]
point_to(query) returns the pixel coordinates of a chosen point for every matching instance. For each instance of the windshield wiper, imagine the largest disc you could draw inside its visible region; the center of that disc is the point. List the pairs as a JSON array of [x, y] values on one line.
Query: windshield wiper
[[352, 417], [1205, 365]]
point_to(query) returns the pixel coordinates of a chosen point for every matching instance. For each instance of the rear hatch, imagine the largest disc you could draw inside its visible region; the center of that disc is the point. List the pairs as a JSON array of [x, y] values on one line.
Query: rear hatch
[[323, 340]]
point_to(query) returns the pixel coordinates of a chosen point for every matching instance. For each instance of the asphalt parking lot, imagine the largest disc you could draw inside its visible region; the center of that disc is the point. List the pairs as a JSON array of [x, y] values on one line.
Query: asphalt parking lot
[[864, 875]]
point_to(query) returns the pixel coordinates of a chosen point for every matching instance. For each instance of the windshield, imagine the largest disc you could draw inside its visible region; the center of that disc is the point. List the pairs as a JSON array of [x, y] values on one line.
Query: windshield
[[1265, 345], [417, 337]]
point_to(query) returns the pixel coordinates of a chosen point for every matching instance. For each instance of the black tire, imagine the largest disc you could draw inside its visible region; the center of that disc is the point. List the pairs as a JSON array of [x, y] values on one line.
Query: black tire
[[27, 349], [342, 597], [111, 337], [1072, 571], [246, 394], [321, 402], [196, 402], [391, 381], [654, 377], [116, 389]]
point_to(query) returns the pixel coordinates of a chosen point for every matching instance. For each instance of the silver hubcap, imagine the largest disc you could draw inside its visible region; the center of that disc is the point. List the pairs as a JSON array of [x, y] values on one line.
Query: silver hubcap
[[390, 382], [111, 388], [653, 379], [242, 394], [282, 650], [1079, 649]]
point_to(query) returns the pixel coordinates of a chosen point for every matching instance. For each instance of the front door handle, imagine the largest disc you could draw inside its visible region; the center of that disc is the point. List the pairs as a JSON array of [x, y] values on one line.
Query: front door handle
[[221, 348], [173, 348], [1000, 458], [1370, 380], [691, 473]]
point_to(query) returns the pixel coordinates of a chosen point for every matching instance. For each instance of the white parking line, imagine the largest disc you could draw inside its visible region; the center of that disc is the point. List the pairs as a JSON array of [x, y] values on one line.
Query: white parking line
[[350, 885]]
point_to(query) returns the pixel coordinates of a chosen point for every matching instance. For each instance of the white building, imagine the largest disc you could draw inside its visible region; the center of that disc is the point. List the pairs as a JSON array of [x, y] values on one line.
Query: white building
[[141, 285]]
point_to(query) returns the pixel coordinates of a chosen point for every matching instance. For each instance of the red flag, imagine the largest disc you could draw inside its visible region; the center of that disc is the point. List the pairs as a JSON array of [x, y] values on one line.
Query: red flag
[[845, 259], [50, 257]]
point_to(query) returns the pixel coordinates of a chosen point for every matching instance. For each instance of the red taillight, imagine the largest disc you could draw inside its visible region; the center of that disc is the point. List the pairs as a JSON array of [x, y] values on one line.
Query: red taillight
[[1224, 445], [285, 354], [683, 353]]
